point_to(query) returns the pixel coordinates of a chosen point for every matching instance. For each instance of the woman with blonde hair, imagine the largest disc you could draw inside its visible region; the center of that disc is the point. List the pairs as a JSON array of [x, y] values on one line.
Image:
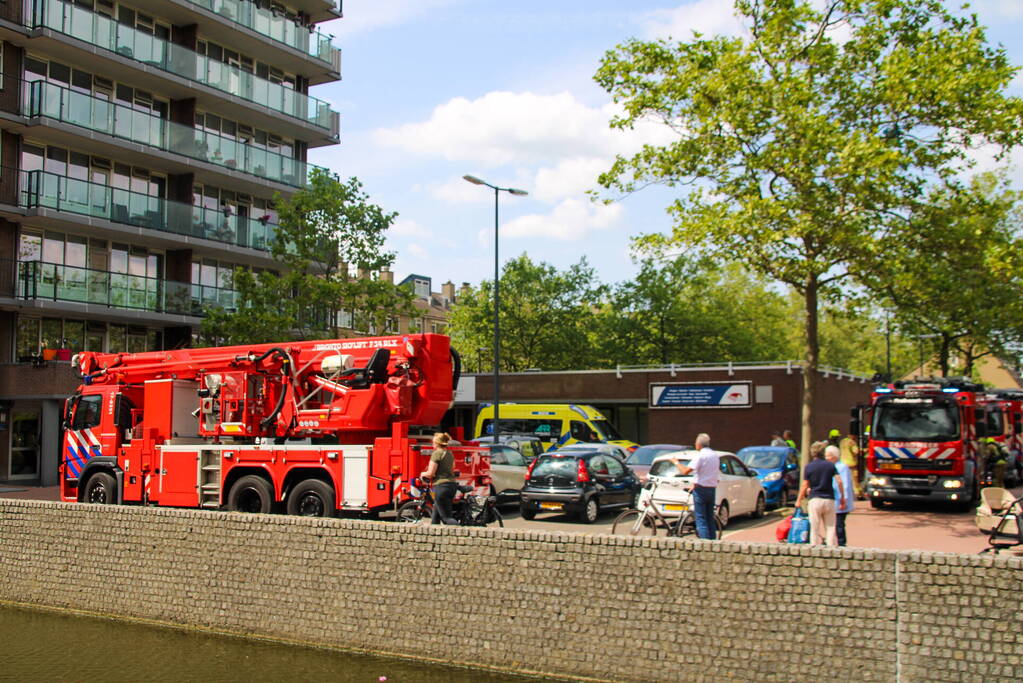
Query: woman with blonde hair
[[441, 471]]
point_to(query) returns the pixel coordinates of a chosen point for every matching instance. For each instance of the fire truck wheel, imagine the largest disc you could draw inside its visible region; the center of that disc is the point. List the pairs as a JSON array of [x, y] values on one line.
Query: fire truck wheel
[[251, 493], [101, 488], [312, 498]]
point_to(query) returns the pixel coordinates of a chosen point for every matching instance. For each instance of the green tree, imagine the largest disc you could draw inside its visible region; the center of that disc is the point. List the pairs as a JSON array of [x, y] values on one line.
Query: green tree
[[804, 141], [545, 317], [324, 228], [953, 270], [689, 311]]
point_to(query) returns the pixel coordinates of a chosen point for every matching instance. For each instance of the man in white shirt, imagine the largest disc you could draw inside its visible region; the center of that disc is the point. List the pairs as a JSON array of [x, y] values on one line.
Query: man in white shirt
[[705, 468]]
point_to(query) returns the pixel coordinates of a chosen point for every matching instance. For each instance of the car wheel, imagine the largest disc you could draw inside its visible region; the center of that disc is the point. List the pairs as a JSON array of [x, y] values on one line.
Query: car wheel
[[590, 511], [723, 513], [760, 508], [876, 503], [527, 513]]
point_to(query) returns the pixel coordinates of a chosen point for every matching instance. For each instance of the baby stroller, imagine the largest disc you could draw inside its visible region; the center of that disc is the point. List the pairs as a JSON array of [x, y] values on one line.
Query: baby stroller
[[1000, 517]]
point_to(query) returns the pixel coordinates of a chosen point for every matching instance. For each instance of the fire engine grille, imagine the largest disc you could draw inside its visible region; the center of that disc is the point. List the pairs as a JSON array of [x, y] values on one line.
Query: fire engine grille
[[937, 464]]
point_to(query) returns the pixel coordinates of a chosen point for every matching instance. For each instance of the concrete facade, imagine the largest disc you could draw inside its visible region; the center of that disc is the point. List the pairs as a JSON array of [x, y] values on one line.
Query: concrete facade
[[624, 397], [590, 607]]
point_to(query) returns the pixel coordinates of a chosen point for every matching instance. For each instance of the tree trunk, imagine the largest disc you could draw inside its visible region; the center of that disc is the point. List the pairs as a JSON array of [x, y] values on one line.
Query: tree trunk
[[810, 370], [943, 354]]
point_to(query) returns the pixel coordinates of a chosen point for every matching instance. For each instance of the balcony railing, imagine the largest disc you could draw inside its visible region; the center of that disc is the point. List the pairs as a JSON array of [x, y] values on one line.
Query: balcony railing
[[120, 121], [58, 282], [107, 34], [61, 193], [276, 27]]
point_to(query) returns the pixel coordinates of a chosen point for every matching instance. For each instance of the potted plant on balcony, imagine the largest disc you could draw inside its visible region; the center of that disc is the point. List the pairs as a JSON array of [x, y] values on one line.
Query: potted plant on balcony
[[47, 353], [63, 353]]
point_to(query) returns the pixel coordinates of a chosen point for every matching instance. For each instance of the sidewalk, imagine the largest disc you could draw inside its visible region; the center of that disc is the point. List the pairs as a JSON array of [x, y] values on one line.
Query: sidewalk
[[30, 492]]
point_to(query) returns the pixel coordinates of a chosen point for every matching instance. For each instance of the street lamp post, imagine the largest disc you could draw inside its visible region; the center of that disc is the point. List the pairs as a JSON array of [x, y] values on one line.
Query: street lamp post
[[497, 300]]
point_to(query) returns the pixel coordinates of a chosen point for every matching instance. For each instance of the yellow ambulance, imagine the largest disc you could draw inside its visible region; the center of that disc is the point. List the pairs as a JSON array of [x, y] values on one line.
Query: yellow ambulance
[[555, 424]]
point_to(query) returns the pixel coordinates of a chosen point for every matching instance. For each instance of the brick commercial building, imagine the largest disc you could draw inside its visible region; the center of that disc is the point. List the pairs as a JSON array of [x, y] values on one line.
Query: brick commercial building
[[737, 404], [141, 144]]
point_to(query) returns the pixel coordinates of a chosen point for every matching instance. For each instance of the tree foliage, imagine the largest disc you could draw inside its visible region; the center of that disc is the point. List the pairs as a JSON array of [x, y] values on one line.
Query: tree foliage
[[544, 318], [324, 229], [803, 144]]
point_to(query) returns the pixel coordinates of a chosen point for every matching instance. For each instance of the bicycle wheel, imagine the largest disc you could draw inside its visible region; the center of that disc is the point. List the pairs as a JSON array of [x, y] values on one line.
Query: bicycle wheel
[[634, 523], [685, 526], [413, 511]]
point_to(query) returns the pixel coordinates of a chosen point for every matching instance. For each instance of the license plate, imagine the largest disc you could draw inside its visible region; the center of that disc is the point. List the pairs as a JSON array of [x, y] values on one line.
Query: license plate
[[890, 465], [676, 508], [551, 506]]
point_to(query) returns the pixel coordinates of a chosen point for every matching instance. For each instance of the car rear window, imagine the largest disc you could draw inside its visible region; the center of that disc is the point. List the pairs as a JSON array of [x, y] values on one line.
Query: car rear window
[[666, 468], [556, 467]]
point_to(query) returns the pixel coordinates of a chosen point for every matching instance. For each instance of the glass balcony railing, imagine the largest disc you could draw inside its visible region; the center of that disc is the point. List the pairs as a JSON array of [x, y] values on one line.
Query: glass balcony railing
[[276, 27], [61, 193], [120, 121], [107, 34], [58, 282]]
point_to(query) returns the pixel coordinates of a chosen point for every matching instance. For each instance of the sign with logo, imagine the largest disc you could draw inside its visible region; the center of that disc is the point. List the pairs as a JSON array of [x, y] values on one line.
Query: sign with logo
[[701, 395]]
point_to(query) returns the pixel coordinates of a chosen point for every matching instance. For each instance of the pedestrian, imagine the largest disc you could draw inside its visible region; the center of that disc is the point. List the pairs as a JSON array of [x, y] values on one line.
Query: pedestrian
[[776, 440], [834, 436], [833, 455], [819, 481], [996, 461], [441, 471], [850, 450], [787, 435], [705, 468]]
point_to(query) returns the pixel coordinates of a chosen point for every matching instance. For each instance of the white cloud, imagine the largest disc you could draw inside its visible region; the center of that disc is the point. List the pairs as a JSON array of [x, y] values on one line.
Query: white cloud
[[517, 128], [998, 9], [417, 250], [709, 17], [569, 221], [569, 178], [365, 16], [403, 227]]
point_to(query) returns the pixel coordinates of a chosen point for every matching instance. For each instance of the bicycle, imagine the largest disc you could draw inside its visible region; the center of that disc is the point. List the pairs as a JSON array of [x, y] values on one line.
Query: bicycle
[[636, 522], [470, 509]]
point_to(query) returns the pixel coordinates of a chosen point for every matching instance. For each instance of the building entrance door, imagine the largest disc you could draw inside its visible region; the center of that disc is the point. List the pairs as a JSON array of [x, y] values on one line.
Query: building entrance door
[[24, 462]]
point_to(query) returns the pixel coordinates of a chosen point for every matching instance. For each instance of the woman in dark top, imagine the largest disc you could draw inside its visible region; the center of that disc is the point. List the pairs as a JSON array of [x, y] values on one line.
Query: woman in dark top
[[441, 471]]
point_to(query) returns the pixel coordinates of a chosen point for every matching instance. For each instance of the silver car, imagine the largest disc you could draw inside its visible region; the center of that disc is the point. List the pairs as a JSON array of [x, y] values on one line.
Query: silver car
[[507, 471]]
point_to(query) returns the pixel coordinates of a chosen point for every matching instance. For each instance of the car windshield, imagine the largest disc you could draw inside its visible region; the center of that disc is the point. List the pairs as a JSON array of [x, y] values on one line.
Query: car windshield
[[644, 455], [916, 420], [763, 459], [606, 430], [666, 468], [556, 467]]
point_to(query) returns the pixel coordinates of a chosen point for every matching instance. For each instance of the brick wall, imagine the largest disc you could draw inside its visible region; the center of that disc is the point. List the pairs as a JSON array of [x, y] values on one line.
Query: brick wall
[[590, 606]]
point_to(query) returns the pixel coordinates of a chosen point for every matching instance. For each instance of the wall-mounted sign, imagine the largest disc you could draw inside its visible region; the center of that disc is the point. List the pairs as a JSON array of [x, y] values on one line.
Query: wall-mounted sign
[[701, 395]]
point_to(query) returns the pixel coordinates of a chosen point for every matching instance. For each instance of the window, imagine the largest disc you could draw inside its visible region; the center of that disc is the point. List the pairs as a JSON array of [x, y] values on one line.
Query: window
[[614, 468], [87, 412], [583, 432], [545, 429], [599, 466], [497, 456]]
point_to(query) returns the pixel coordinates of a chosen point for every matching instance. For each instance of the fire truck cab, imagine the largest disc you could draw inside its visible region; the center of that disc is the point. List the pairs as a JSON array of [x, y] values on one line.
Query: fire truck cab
[[923, 443]]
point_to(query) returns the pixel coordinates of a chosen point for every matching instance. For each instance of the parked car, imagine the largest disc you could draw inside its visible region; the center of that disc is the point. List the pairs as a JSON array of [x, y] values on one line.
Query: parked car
[[641, 458], [739, 491], [529, 446], [614, 449], [579, 482], [507, 471], [777, 467]]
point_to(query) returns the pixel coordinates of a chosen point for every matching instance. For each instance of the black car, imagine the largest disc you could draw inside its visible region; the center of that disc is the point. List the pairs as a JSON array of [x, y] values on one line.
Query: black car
[[577, 482]]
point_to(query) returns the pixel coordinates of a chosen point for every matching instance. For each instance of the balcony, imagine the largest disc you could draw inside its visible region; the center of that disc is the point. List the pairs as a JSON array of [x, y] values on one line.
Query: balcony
[[41, 189], [106, 34], [276, 27], [119, 121], [38, 280]]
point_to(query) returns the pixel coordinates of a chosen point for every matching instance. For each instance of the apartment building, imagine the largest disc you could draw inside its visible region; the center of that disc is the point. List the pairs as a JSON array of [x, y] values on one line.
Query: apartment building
[[141, 145]]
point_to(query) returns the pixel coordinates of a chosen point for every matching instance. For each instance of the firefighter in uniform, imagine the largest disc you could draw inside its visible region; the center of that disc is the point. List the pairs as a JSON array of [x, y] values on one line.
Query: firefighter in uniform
[[850, 450], [996, 461]]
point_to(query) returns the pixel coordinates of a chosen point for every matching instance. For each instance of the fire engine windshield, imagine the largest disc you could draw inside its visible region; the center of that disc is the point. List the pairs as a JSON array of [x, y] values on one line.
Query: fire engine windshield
[[916, 420]]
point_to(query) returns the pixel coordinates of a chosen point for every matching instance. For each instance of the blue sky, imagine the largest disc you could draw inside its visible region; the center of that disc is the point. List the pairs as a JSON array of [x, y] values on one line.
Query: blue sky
[[434, 89]]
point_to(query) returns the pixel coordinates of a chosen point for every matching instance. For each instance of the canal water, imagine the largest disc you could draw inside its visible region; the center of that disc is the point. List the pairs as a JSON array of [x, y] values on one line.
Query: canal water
[[48, 646]]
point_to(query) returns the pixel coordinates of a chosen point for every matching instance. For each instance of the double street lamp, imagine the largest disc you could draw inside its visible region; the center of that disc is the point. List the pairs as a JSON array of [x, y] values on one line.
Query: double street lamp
[[497, 301]]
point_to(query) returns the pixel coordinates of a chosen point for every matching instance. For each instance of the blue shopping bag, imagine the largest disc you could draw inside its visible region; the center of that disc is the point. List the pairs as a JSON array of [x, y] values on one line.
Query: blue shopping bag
[[799, 532]]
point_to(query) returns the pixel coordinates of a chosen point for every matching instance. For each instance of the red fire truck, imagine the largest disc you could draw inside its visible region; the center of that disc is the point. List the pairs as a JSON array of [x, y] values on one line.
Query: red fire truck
[[1003, 421], [923, 443], [312, 427]]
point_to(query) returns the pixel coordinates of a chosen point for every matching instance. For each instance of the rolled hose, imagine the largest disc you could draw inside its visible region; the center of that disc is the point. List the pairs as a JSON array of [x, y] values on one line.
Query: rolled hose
[[456, 362]]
